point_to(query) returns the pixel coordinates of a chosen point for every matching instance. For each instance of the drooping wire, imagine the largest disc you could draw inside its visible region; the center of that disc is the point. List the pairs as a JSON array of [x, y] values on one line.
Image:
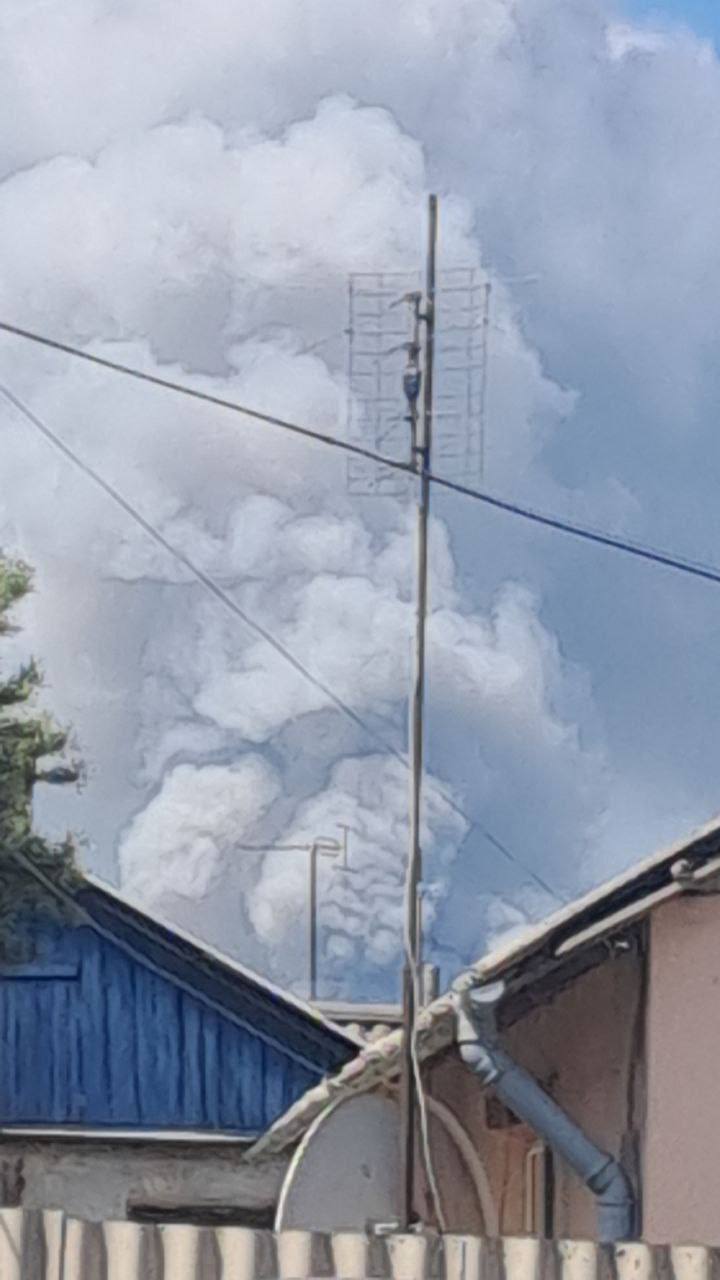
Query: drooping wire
[[708, 572], [203, 578], [309, 433], [694, 567], [214, 589]]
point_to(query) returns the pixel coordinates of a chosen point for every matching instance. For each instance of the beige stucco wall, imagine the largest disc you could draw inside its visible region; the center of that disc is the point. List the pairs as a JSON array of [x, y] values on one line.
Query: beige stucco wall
[[581, 1047], [96, 1180], [682, 1154]]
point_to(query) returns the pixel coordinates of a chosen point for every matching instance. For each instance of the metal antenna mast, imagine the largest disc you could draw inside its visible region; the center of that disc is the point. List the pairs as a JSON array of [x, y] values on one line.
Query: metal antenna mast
[[321, 847], [421, 429], [326, 849], [433, 378]]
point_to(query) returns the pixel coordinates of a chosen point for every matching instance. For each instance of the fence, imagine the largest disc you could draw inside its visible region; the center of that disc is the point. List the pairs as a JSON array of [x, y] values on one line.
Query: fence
[[46, 1245]]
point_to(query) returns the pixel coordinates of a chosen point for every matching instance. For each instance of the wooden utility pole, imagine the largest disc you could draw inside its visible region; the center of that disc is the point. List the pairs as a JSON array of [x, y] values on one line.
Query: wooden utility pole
[[421, 426]]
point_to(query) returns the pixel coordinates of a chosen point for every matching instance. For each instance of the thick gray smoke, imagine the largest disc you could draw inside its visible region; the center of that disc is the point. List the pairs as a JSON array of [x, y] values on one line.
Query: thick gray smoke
[[186, 187]]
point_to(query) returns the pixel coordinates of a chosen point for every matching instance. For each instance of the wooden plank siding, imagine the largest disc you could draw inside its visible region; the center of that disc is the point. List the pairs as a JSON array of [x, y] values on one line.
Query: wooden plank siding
[[109, 1023]]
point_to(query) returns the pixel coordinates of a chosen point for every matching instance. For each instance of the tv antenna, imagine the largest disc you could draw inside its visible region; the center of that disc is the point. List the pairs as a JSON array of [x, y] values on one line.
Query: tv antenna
[[320, 847], [431, 376], [378, 346]]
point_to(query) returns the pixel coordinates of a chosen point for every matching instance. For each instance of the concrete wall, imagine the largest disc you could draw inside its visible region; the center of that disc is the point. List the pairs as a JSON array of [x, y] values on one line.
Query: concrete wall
[[581, 1047], [682, 1153], [95, 1180]]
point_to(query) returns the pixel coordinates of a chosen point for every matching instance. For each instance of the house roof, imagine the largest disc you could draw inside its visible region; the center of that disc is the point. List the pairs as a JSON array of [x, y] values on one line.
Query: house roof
[[367, 1021], [215, 977], [244, 996], [576, 932]]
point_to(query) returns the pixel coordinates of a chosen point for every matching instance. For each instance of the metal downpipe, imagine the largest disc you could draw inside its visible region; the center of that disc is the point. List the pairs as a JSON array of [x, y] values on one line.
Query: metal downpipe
[[520, 1092]]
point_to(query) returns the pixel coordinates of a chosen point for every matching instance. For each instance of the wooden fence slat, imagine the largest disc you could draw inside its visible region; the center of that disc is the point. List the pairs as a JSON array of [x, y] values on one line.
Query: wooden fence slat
[[691, 1262], [350, 1255], [12, 1230], [522, 1258], [578, 1259], [409, 1257], [132, 1251], [188, 1252], [462, 1257], [635, 1261], [240, 1251], [83, 1257], [53, 1231], [294, 1255], [303, 1254]]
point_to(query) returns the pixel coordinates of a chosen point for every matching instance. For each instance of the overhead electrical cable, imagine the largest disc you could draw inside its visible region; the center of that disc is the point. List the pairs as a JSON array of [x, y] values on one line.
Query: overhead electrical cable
[[214, 589], [203, 578], [708, 572], [206, 397]]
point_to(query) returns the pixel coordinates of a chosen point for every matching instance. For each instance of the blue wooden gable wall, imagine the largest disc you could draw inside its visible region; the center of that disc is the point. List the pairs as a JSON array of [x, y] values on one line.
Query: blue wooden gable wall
[[118, 1023]]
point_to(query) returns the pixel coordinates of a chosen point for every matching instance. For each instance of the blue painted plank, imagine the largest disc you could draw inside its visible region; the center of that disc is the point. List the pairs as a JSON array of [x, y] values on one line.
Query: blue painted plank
[[11, 1052], [241, 1100], [231, 1070], [59, 1064], [273, 1071], [145, 1030], [120, 1052], [193, 1063], [211, 1066], [89, 1088], [38, 972], [35, 1067]]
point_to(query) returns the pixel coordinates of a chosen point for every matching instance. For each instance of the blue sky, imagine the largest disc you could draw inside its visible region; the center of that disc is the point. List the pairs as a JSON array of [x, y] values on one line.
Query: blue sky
[[702, 15]]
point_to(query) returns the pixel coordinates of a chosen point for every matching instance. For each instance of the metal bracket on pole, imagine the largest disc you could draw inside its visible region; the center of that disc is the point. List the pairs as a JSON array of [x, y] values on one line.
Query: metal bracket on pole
[[321, 847]]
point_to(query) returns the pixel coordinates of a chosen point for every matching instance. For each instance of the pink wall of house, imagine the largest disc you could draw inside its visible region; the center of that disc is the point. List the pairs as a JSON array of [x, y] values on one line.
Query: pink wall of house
[[581, 1047], [641, 1078], [682, 1147]]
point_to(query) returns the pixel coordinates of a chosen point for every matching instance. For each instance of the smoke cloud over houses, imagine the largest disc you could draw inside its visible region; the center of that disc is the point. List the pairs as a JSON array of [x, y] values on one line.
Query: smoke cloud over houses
[[185, 188]]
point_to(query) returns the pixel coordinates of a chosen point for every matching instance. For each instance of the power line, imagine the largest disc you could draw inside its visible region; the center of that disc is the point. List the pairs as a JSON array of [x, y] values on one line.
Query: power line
[[217, 591], [206, 581], [708, 573], [699, 570], [206, 397]]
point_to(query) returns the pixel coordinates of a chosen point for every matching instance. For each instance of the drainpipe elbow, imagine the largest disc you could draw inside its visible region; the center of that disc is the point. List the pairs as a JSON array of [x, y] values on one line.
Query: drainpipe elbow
[[476, 1057], [475, 1049], [616, 1202]]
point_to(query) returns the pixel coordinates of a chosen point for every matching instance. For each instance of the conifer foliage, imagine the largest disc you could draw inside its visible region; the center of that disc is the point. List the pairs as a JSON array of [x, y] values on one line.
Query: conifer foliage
[[26, 738]]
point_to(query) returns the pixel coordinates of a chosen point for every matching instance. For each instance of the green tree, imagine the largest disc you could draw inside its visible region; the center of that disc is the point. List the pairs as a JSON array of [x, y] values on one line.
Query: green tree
[[26, 738]]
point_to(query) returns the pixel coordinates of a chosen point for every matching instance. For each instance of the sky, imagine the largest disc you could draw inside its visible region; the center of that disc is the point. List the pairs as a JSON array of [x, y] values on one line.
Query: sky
[[701, 16], [186, 187]]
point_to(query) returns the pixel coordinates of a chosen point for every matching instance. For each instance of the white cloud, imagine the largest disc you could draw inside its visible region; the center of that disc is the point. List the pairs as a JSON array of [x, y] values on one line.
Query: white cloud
[[625, 39], [185, 838], [178, 233], [360, 911], [187, 187]]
